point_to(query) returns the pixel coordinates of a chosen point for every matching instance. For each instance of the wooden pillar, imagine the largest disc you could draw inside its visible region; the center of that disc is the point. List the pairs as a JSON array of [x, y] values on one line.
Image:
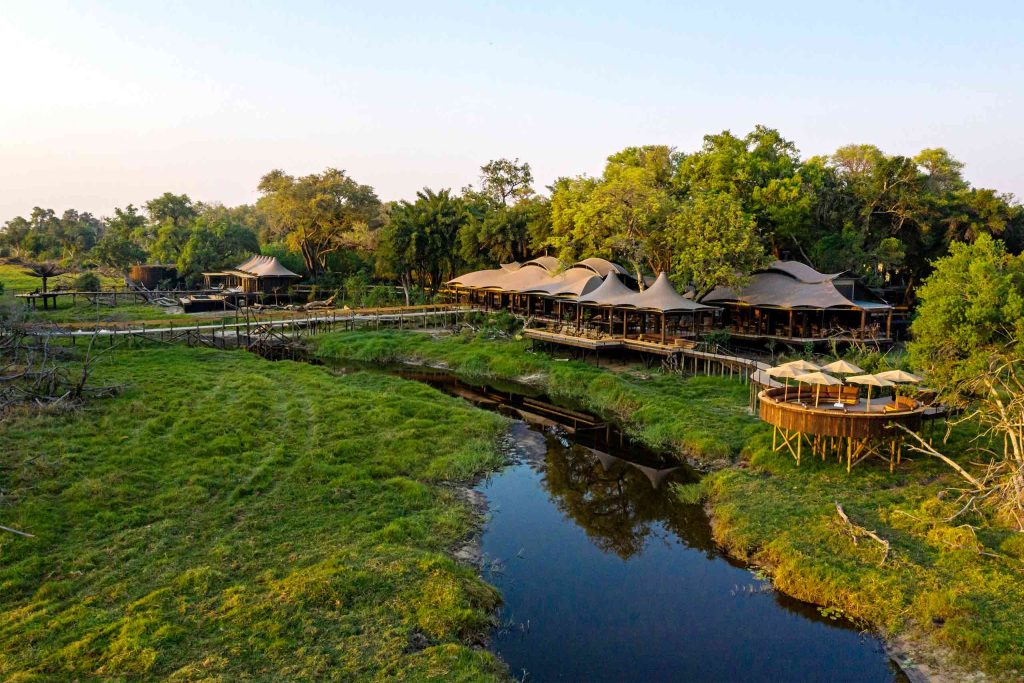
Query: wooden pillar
[[663, 328], [888, 325], [863, 321], [790, 322]]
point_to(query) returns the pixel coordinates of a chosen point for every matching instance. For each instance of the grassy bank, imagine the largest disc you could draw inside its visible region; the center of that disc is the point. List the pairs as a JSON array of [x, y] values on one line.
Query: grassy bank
[[954, 585], [704, 417], [953, 588], [228, 518]]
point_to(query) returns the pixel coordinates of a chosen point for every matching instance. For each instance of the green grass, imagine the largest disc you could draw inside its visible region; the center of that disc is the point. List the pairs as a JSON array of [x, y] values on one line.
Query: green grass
[[228, 518], [17, 281], [704, 417], [937, 584]]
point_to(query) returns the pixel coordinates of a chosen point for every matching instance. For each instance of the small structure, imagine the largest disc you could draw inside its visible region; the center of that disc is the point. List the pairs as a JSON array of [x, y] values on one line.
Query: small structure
[[838, 422], [790, 301], [150, 275], [257, 275]]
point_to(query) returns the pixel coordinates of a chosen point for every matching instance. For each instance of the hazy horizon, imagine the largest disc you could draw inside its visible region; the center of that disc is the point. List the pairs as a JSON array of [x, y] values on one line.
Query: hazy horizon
[[111, 103]]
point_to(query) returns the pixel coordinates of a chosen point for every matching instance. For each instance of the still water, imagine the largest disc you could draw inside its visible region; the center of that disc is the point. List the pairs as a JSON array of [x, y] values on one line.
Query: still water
[[606, 576]]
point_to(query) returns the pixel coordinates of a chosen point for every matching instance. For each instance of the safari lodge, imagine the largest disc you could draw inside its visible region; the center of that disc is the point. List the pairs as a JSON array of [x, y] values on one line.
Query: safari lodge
[[791, 302], [256, 279], [597, 304], [594, 304]]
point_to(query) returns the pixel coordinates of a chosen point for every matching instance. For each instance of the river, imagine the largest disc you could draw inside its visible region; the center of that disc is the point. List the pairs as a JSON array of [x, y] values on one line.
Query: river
[[607, 576]]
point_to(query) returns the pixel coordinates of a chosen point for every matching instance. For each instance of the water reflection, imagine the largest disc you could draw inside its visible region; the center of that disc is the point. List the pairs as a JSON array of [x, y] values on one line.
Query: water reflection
[[607, 577], [617, 502]]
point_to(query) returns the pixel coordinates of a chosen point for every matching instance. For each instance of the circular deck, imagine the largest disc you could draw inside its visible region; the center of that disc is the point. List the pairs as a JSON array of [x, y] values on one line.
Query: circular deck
[[798, 414]]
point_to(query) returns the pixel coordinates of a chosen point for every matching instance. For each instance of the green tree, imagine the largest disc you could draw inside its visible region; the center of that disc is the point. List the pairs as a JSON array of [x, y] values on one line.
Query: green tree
[[171, 217], [319, 214], [506, 182], [117, 251], [215, 243], [968, 338], [570, 236], [416, 243], [715, 243]]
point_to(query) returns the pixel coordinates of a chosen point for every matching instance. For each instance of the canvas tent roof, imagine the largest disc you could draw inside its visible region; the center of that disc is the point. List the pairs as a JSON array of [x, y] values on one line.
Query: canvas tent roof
[[264, 266], [548, 263], [661, 296], [611, 293], [787, 284], [572, 282], [802, 271], [600, 266], [521, 280]]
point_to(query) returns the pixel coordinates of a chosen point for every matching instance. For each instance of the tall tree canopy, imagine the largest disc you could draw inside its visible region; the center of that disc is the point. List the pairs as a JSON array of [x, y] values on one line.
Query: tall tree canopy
[[714, 242], [506, 219], [417, 244], [968, 338], [318, 214]]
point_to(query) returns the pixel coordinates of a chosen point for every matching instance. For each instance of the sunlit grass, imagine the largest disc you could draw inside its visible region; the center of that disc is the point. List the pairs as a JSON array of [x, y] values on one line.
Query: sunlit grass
[[229, 518], [957, 585], [704, 417]]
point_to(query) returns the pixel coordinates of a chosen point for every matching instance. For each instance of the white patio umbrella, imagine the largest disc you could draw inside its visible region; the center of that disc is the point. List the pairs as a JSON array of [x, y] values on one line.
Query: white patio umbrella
[[870, 381], [821, 379], [898, 376], [804, 365], [787, 372], [841, 367]]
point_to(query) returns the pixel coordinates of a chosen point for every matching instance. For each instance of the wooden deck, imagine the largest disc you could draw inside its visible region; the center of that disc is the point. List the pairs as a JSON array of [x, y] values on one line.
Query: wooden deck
[[844, 338], [571, 340], [856, 421]]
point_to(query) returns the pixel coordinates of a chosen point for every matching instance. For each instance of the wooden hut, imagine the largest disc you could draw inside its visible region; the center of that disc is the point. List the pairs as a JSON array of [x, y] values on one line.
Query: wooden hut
[[792, 302], [150, 275]]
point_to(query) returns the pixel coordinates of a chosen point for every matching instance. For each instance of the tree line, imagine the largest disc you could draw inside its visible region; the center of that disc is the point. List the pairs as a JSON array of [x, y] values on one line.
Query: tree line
[[707, 218]]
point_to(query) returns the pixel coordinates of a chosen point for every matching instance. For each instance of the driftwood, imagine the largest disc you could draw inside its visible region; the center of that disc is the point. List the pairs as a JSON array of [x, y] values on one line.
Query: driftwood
[[856, 530]]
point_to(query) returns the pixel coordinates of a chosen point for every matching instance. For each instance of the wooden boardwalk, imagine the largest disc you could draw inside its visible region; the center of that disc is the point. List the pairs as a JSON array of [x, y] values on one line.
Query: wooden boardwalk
[[249, 328]]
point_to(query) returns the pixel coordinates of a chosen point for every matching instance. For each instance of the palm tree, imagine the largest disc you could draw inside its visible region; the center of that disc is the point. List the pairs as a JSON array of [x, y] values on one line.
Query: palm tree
[[44, 271]]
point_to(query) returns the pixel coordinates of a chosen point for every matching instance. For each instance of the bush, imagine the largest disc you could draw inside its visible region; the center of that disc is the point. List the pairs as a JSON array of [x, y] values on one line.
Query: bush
[[87, 282]]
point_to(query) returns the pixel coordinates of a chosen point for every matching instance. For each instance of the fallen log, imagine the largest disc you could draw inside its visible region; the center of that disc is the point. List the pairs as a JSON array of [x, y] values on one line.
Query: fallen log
[[856, 529]]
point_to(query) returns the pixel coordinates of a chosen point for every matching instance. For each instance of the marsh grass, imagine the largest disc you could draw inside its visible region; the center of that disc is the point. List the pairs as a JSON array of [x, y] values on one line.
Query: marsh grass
[[229, 518], [704, 417], [954, 581]]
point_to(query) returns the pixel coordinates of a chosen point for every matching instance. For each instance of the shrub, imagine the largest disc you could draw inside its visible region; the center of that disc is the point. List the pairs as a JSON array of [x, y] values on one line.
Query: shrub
[[87, 282]]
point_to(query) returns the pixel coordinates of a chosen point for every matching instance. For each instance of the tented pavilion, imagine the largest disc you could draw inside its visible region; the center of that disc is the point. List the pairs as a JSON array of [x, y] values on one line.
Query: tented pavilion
[[657, 315], [594, 300], [531, 288], [256, 275], [792, 302]]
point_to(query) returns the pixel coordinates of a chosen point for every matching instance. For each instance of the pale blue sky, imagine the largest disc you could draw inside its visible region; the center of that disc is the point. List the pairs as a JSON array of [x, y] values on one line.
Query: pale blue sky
[[116, 102]]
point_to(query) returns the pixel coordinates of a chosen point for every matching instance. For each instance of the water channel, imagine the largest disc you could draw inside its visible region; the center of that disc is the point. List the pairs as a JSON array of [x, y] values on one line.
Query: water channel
[[606, 576]]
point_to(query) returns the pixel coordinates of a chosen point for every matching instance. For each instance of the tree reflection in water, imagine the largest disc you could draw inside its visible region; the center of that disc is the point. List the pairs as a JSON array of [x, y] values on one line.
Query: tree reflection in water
[[620, 504]]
